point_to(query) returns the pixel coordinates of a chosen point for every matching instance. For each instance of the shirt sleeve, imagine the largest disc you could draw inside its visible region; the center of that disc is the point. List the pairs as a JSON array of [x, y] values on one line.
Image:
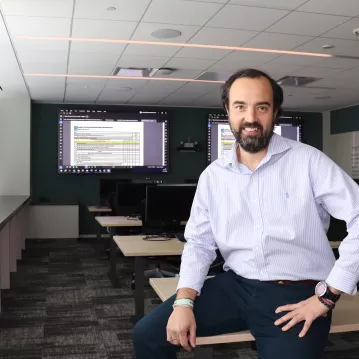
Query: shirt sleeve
[[200, 248], [337, 192]]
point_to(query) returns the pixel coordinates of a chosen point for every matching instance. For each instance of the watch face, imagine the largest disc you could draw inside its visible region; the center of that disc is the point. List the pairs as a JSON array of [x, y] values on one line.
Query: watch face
[[320, 289]]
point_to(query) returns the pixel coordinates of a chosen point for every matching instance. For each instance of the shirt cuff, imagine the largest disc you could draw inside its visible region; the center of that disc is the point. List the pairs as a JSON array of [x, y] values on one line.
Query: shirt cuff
[[190, 283], [342, 280]]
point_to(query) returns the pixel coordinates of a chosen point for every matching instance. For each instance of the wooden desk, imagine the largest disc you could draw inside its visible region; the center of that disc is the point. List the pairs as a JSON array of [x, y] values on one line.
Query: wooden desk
[[98, 211], [136, 246], [113, 222], [345, 315], [117, 221]]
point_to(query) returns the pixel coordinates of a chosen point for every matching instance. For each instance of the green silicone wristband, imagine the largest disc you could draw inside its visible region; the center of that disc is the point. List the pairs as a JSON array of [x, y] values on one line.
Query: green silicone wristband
[[184, 302]]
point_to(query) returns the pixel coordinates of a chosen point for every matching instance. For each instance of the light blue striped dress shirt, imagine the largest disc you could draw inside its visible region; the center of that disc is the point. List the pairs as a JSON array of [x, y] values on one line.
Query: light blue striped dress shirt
[[271, 223]]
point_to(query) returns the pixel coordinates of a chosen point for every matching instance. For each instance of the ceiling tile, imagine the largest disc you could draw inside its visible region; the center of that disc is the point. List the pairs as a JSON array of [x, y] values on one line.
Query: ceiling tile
[[45, 8], [241, 59], [144, 30], [217, 1], [115, 97], [44, 68], [189, 63], [344, 31], [337, 63], [27, 48], [312, 71], [160, 87], [296, 60], [197, 53], [278, 70], [181, 74], [151, 50], [125, 10], [351, 75], [103, 29], [146, 98], [341, 47], [267, 40], [275, 4], [117, 84], [86, 81], [90, 69], [242, 17], [179, 99], [180, 12], [142, 61], [86, 93], [45, 83], [99, 47], [197, 88], [93, 58], [223, 37], [38, 26], [343, 7], [44, 57], [301, 23]]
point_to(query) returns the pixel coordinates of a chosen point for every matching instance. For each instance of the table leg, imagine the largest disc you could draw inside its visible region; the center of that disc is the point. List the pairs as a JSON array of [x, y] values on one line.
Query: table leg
[[139, 288], [98, 227], [112, 254]]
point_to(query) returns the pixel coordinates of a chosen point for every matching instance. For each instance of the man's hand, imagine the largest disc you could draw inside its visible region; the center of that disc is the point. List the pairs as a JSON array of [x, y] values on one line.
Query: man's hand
[[181, 328], [308, 310]]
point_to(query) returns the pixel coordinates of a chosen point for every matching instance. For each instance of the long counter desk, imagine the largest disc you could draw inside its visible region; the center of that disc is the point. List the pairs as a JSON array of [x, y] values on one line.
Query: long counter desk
[[13, 216]]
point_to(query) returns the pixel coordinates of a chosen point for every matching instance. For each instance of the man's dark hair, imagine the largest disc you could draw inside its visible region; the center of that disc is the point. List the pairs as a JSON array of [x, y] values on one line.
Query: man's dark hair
[[253, 74]]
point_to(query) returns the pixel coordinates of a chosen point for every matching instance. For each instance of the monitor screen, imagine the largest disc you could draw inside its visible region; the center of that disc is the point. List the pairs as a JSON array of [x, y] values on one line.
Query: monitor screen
[[99, 141], [129, 198], [169, 202], [220, 138]]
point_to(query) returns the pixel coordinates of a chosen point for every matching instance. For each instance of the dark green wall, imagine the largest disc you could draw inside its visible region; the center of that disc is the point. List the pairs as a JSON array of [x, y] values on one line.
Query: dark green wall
[[344, 120], [48, 185]]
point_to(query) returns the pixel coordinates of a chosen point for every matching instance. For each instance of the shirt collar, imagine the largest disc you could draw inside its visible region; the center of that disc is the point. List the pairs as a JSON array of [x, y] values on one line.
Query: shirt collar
[[277, 144]]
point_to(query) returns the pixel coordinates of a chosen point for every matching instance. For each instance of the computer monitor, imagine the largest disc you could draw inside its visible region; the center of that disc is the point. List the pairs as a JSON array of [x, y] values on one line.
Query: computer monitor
[[130, 199], [108, 187], [220, 138], [101, 141], [168, 204]]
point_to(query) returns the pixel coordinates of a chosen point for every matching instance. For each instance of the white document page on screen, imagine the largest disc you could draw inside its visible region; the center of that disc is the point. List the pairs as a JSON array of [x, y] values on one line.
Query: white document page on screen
[[226, 138], [100, 143]]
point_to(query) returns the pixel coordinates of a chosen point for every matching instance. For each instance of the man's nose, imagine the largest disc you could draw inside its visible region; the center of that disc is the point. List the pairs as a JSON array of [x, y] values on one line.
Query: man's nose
[[251, 114]]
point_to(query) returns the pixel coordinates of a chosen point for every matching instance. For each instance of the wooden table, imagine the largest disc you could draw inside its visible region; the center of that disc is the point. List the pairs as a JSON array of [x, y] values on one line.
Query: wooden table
[[98, 211], [113, 222], [140, 249], [345, 314]]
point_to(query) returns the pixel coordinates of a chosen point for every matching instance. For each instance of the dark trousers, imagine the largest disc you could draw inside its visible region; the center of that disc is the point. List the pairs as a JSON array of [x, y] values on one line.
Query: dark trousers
[[230, 303]]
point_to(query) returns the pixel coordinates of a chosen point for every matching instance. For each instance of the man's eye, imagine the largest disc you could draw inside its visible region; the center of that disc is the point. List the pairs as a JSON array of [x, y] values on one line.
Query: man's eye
[[262, 108]]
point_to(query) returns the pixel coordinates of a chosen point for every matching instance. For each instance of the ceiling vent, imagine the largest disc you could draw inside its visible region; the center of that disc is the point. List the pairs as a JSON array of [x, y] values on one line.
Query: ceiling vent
[[296, 81], [141, 72]]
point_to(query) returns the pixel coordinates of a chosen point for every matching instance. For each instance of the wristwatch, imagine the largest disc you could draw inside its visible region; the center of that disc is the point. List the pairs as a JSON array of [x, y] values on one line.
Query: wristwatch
[[322, 291]]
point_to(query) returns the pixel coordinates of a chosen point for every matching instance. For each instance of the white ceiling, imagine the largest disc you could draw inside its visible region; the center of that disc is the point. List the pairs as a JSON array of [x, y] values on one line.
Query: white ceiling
[[298, 25]]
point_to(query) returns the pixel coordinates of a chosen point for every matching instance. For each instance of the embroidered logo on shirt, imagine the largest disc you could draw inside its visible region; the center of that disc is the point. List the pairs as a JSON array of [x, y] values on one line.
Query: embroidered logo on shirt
[[286, 195]]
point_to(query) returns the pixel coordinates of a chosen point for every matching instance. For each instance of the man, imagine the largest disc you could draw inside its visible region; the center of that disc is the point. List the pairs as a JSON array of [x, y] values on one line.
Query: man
[[265, 206]]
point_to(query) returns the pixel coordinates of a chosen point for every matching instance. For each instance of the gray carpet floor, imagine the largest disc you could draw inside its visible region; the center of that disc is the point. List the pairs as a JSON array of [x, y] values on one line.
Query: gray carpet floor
[[62, 305]]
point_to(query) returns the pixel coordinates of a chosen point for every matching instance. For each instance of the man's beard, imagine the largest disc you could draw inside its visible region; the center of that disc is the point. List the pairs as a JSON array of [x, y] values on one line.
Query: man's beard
[[253, 143]]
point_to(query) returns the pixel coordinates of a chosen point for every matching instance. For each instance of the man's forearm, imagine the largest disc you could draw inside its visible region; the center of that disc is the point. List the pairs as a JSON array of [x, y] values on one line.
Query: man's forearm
[[187, 293]]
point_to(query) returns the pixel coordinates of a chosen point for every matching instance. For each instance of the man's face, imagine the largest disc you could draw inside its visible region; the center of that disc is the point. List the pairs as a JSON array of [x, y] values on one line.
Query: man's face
[[250, 111]]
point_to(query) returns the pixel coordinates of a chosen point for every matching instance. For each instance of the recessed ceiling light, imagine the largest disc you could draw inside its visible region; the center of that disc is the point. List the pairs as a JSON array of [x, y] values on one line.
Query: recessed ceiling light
[[166, 33], [326, 47], [111, 8]]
